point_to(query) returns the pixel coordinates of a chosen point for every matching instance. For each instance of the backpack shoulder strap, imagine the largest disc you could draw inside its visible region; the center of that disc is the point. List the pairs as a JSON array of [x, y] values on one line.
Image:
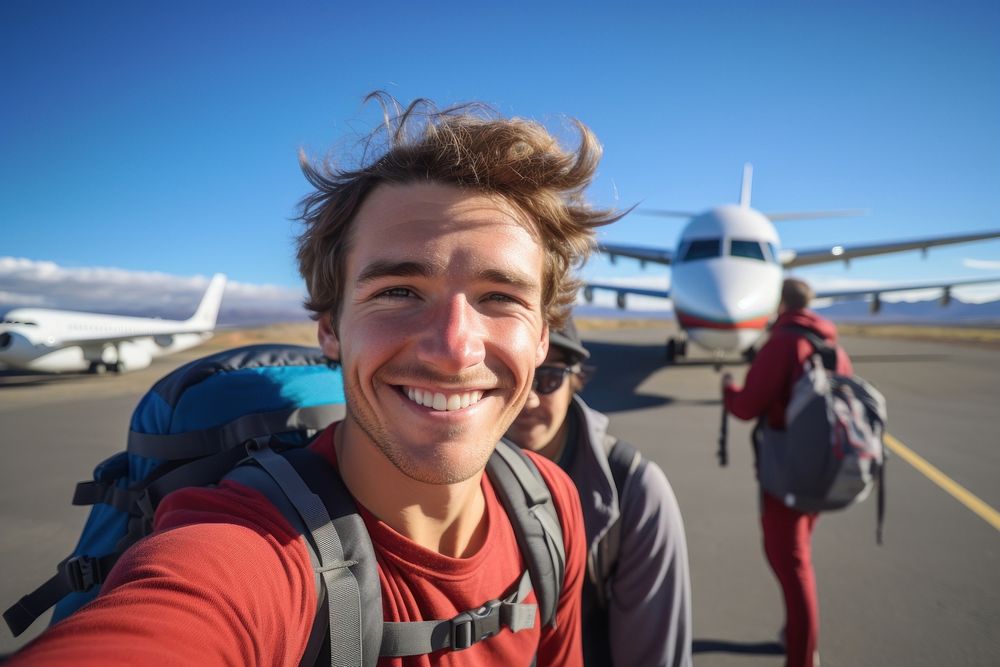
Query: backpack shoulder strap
[[349, 628], [826, 352], [624, 460], [339, 544], [533, 515]]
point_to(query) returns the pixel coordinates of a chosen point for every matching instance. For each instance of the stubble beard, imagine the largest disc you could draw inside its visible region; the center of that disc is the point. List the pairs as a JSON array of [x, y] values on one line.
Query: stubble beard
[[429, 465]]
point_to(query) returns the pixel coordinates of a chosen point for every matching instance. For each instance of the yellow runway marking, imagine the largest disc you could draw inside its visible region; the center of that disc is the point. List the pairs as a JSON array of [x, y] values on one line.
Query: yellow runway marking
[[985, 512]]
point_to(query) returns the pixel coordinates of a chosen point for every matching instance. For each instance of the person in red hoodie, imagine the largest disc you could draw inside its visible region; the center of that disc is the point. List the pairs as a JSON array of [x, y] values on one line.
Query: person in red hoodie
[[765, 396]]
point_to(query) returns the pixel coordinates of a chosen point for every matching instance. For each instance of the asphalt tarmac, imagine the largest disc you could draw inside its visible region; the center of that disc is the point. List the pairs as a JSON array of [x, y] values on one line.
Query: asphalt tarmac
[[930, 595]]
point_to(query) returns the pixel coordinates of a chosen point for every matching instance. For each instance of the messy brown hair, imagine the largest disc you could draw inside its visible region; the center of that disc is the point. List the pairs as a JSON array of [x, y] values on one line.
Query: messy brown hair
[[795, 294], [469, 146]]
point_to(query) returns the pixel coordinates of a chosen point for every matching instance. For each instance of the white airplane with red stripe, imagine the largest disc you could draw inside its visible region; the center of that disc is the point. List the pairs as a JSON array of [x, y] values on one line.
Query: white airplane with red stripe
[[728, 268]]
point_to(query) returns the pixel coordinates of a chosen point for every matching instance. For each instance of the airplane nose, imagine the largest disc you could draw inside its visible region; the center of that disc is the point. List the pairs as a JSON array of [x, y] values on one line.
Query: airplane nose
[[746, 300], [14, 347]]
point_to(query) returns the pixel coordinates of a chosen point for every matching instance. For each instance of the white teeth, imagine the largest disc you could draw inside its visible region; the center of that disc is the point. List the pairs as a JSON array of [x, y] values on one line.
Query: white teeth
[[438, 401]]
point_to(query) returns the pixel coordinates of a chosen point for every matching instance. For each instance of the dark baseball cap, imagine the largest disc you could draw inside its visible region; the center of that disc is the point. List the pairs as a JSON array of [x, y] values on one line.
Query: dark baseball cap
[[569, 340]]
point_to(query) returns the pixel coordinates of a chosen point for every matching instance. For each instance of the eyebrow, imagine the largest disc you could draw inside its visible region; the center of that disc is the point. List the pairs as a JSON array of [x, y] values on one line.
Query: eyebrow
[[516, 280], [387, 268]]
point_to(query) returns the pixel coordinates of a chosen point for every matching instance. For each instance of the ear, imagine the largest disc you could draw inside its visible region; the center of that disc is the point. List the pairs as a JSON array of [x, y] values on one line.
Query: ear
[[543, 346], [327, 335]]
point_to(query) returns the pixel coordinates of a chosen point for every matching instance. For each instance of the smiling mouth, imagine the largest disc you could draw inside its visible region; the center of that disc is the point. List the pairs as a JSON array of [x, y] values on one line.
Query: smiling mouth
[[443, 402]]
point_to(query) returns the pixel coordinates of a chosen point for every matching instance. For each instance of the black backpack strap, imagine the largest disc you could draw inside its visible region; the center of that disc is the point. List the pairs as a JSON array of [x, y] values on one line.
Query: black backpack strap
[[73, 575], [880, 511], [205, 442], [624, 460], [532, 513], [826, 352]]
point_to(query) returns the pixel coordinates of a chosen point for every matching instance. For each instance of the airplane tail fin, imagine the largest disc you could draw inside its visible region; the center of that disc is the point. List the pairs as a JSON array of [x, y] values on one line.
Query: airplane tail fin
[[208, 309], [746, 185]]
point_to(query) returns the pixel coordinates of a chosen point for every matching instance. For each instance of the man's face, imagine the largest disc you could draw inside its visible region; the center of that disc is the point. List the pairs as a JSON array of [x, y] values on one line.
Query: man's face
[[544, 415], [440, 327]]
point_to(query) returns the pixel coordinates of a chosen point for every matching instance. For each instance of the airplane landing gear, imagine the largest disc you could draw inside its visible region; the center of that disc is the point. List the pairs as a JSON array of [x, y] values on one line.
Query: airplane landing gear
[[749, 354], [97, 368], [676, 347]]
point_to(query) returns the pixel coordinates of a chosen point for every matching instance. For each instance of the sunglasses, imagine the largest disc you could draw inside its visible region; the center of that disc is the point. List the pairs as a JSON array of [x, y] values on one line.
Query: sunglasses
[[549, 378]]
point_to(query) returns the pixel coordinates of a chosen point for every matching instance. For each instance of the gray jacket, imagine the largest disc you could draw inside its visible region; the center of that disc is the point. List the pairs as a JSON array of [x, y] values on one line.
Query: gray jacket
[[648, 618]]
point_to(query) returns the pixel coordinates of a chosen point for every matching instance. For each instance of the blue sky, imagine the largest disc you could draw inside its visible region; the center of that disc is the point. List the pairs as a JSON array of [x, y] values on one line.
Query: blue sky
[[161, 138]]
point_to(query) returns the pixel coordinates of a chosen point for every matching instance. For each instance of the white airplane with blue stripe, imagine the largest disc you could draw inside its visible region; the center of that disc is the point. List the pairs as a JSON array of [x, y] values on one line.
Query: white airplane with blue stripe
[[728, 268]]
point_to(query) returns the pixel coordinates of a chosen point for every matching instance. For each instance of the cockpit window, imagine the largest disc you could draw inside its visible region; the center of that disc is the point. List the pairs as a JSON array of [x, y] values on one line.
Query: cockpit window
[[774, 253], [701, 249], [25, 323], [748, 249]]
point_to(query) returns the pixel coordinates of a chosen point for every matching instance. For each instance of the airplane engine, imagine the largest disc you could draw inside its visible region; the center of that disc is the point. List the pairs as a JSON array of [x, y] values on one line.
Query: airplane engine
[[945, 297], [132, 357], [165, 340], [876, 304], [621, 300], [588, 294]]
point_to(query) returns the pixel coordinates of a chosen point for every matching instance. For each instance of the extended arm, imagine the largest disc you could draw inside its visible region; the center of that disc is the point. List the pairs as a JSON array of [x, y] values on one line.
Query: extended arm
[[201, 590], [762, 388]]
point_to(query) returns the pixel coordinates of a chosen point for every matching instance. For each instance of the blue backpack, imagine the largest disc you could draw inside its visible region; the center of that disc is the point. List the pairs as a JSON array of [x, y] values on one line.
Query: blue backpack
[[246, 414]]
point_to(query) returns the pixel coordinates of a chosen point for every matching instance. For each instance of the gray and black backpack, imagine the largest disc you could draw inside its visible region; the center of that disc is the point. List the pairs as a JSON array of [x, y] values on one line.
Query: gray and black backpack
[[830, 455]]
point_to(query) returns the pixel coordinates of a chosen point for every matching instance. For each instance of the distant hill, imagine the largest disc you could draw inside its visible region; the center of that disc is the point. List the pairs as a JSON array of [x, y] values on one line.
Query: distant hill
[[957, 313]]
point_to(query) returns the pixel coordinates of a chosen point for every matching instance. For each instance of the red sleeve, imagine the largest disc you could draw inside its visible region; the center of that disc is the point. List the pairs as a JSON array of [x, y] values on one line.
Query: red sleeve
[[562, 644], [198, 591], [766, 380]]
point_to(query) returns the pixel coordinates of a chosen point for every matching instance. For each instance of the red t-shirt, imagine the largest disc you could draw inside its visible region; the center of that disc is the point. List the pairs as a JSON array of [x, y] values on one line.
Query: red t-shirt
[[225, 580]]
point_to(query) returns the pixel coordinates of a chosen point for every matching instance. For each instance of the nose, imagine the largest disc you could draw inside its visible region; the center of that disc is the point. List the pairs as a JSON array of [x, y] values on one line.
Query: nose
[[533, 401], [455, 338]]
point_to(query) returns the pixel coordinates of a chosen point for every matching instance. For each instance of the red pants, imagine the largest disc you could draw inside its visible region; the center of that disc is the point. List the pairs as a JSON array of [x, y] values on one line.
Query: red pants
[[787, 537]]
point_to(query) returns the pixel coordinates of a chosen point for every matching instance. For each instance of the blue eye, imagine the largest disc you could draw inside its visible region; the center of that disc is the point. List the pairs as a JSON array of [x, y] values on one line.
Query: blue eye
[[396, 292]]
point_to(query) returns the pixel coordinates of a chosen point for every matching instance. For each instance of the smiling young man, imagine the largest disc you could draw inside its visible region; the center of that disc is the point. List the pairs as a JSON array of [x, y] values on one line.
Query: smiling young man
[[435, 270], [637, 595]]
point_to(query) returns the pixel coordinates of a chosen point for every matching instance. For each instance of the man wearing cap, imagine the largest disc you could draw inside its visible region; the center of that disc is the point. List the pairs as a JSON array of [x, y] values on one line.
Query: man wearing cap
[[637, 597]]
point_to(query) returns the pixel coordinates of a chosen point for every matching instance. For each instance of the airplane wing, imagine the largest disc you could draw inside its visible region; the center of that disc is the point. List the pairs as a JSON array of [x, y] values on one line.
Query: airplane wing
[[641, 253], [946, 285], [794, 258], [661, 293], [121, 338], [621, 291]]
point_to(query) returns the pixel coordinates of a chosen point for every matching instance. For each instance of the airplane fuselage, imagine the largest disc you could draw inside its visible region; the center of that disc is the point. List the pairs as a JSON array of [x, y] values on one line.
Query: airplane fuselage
[[726, 277], [56, 341]]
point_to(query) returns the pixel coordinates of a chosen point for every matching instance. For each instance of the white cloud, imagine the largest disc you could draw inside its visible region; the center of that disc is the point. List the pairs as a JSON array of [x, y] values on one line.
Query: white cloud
[[27, 282], [985, 264]]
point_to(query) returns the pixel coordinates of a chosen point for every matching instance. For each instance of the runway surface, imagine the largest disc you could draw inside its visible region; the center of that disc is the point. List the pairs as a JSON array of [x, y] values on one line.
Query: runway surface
[[930, 595]]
